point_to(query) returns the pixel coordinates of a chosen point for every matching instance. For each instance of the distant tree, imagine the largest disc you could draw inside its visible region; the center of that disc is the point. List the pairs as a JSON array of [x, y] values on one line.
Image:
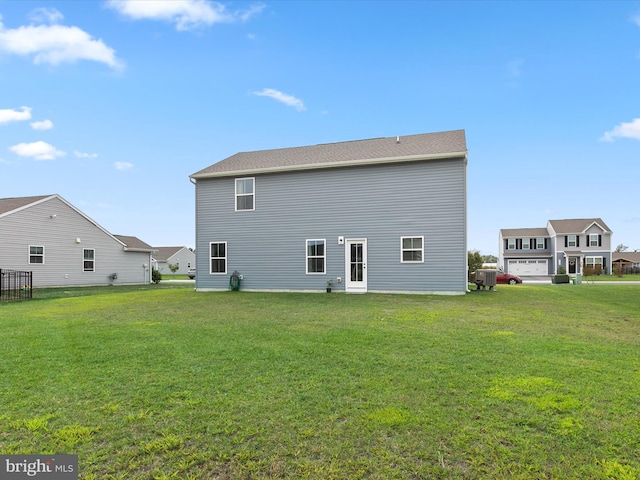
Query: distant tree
[[489, 259], [621, 248], [173, 267], [475, 260]]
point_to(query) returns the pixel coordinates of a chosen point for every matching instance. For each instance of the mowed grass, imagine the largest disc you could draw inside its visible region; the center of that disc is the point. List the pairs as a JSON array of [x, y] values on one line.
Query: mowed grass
[[533, 381]]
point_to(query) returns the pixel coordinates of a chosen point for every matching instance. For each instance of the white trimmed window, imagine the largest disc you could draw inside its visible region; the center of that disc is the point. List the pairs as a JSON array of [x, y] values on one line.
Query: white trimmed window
[[411, 249], [572, 241], [526, 244], [245, 194], [539, 243], [88, 260], [218, 254], [593, 262], [316, 256], [594, 240], [511, 244], [36, 254]]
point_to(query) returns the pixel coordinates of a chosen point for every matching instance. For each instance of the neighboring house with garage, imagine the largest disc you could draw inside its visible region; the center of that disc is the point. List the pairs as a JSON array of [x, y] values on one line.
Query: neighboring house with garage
[[573, 244], [377, 215], [182, 257], [63, 247]]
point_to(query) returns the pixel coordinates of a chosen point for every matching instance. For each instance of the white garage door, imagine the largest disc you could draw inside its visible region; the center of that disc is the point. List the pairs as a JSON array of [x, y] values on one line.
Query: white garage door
[[528, 267]]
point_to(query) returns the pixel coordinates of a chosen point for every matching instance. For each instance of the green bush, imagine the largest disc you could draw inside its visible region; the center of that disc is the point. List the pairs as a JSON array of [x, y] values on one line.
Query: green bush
[[156, 276]]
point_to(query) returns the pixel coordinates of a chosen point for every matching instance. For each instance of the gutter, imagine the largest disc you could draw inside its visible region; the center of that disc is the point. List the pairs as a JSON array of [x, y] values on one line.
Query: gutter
[[318, 166]]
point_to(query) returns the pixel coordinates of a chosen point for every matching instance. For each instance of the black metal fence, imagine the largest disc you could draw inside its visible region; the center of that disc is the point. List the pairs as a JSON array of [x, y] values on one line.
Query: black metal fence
[[15, 285]]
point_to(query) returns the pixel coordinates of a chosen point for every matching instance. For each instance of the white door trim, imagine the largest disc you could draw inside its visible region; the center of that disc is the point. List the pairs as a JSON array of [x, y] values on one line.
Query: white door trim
[[355, 269]]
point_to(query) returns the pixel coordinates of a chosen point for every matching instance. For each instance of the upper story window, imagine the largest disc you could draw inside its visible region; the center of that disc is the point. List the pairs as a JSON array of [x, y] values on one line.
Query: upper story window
[[572, 241], [411, 249], [245, 194], [539, 243], [218, 253], [511, 244], [595, 240], [36, 254], [526, 244], [316, 256], [89, 260]]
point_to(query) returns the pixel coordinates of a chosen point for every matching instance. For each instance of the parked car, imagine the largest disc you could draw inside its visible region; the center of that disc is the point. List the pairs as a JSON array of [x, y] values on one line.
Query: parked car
[[192, 273], [502, 277]]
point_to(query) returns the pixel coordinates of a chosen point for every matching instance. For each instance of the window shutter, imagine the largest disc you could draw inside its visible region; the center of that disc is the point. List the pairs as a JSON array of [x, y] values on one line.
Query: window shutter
[[566, 241], [599, 240], [577, 240], [546, 243]]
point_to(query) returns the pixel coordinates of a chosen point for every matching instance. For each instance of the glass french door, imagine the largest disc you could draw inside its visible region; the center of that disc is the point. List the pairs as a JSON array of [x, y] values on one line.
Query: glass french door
[[356, 265]]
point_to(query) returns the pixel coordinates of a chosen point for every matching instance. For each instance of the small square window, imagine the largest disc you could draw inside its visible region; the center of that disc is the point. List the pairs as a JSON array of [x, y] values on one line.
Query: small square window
[[36, 254], [412, 249]]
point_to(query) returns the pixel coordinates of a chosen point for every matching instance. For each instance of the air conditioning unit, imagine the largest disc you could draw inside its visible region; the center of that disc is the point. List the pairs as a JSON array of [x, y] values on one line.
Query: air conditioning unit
[[485, 278]]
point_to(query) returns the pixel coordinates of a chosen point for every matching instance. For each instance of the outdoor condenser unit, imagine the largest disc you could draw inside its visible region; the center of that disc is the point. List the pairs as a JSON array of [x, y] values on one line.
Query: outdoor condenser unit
[[485, 278]]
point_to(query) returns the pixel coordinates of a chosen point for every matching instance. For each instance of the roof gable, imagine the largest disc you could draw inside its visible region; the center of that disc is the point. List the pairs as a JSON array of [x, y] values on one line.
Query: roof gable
[[163, 254], [578, 225], [424, 146], [11, 205]]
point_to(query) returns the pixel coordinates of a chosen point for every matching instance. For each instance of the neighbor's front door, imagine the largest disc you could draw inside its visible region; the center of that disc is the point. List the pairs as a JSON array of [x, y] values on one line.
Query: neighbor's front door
[[356, 265], [572, 264]]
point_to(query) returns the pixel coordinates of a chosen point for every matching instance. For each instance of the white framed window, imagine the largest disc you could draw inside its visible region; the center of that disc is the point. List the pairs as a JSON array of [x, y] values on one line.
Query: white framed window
[[88, 260], [526, 244], [316, 256], [245, 194], [572, 241], [218, 254], [411, 249], [593, 262], [36, 254], [539, 243], [594, 240], [511, 244]]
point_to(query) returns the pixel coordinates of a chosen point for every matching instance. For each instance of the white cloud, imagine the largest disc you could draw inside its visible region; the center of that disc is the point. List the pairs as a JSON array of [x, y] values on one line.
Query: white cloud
[[624, 130], [289, 100], [123, 165], [8, 115], [55, 44], [186, 14], [43, 125], [38, 150], [84, 154], [46, 15]]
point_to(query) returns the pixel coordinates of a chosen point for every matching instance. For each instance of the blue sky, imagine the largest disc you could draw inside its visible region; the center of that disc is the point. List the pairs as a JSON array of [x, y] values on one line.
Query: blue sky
[[113, 104]]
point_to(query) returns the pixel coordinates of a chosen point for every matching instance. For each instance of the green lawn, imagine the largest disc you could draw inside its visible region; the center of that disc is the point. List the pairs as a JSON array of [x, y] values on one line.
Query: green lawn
[[157, 382]]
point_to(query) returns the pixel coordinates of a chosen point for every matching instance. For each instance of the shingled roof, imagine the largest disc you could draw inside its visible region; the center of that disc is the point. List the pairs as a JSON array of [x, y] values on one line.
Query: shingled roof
[[10, 204], [134, 243], [524, 232], [576, 225], [424, 146]]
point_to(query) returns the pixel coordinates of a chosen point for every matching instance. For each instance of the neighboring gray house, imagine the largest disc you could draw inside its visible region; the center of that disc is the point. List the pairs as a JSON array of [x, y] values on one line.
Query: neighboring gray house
[[572, 244], [181, 256], [63, 247], [378, 215]]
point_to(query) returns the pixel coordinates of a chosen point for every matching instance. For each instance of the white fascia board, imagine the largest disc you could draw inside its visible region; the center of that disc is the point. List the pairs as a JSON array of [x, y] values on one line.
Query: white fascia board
[[318, 166]]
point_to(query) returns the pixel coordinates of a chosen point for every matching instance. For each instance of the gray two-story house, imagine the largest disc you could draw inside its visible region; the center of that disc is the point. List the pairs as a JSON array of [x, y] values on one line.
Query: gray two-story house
[[378, 215], [573, 245]]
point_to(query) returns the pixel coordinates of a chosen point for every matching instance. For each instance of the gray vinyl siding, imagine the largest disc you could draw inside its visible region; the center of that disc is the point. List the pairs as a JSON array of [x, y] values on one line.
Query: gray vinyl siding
[[63, 256], [380, 203]]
